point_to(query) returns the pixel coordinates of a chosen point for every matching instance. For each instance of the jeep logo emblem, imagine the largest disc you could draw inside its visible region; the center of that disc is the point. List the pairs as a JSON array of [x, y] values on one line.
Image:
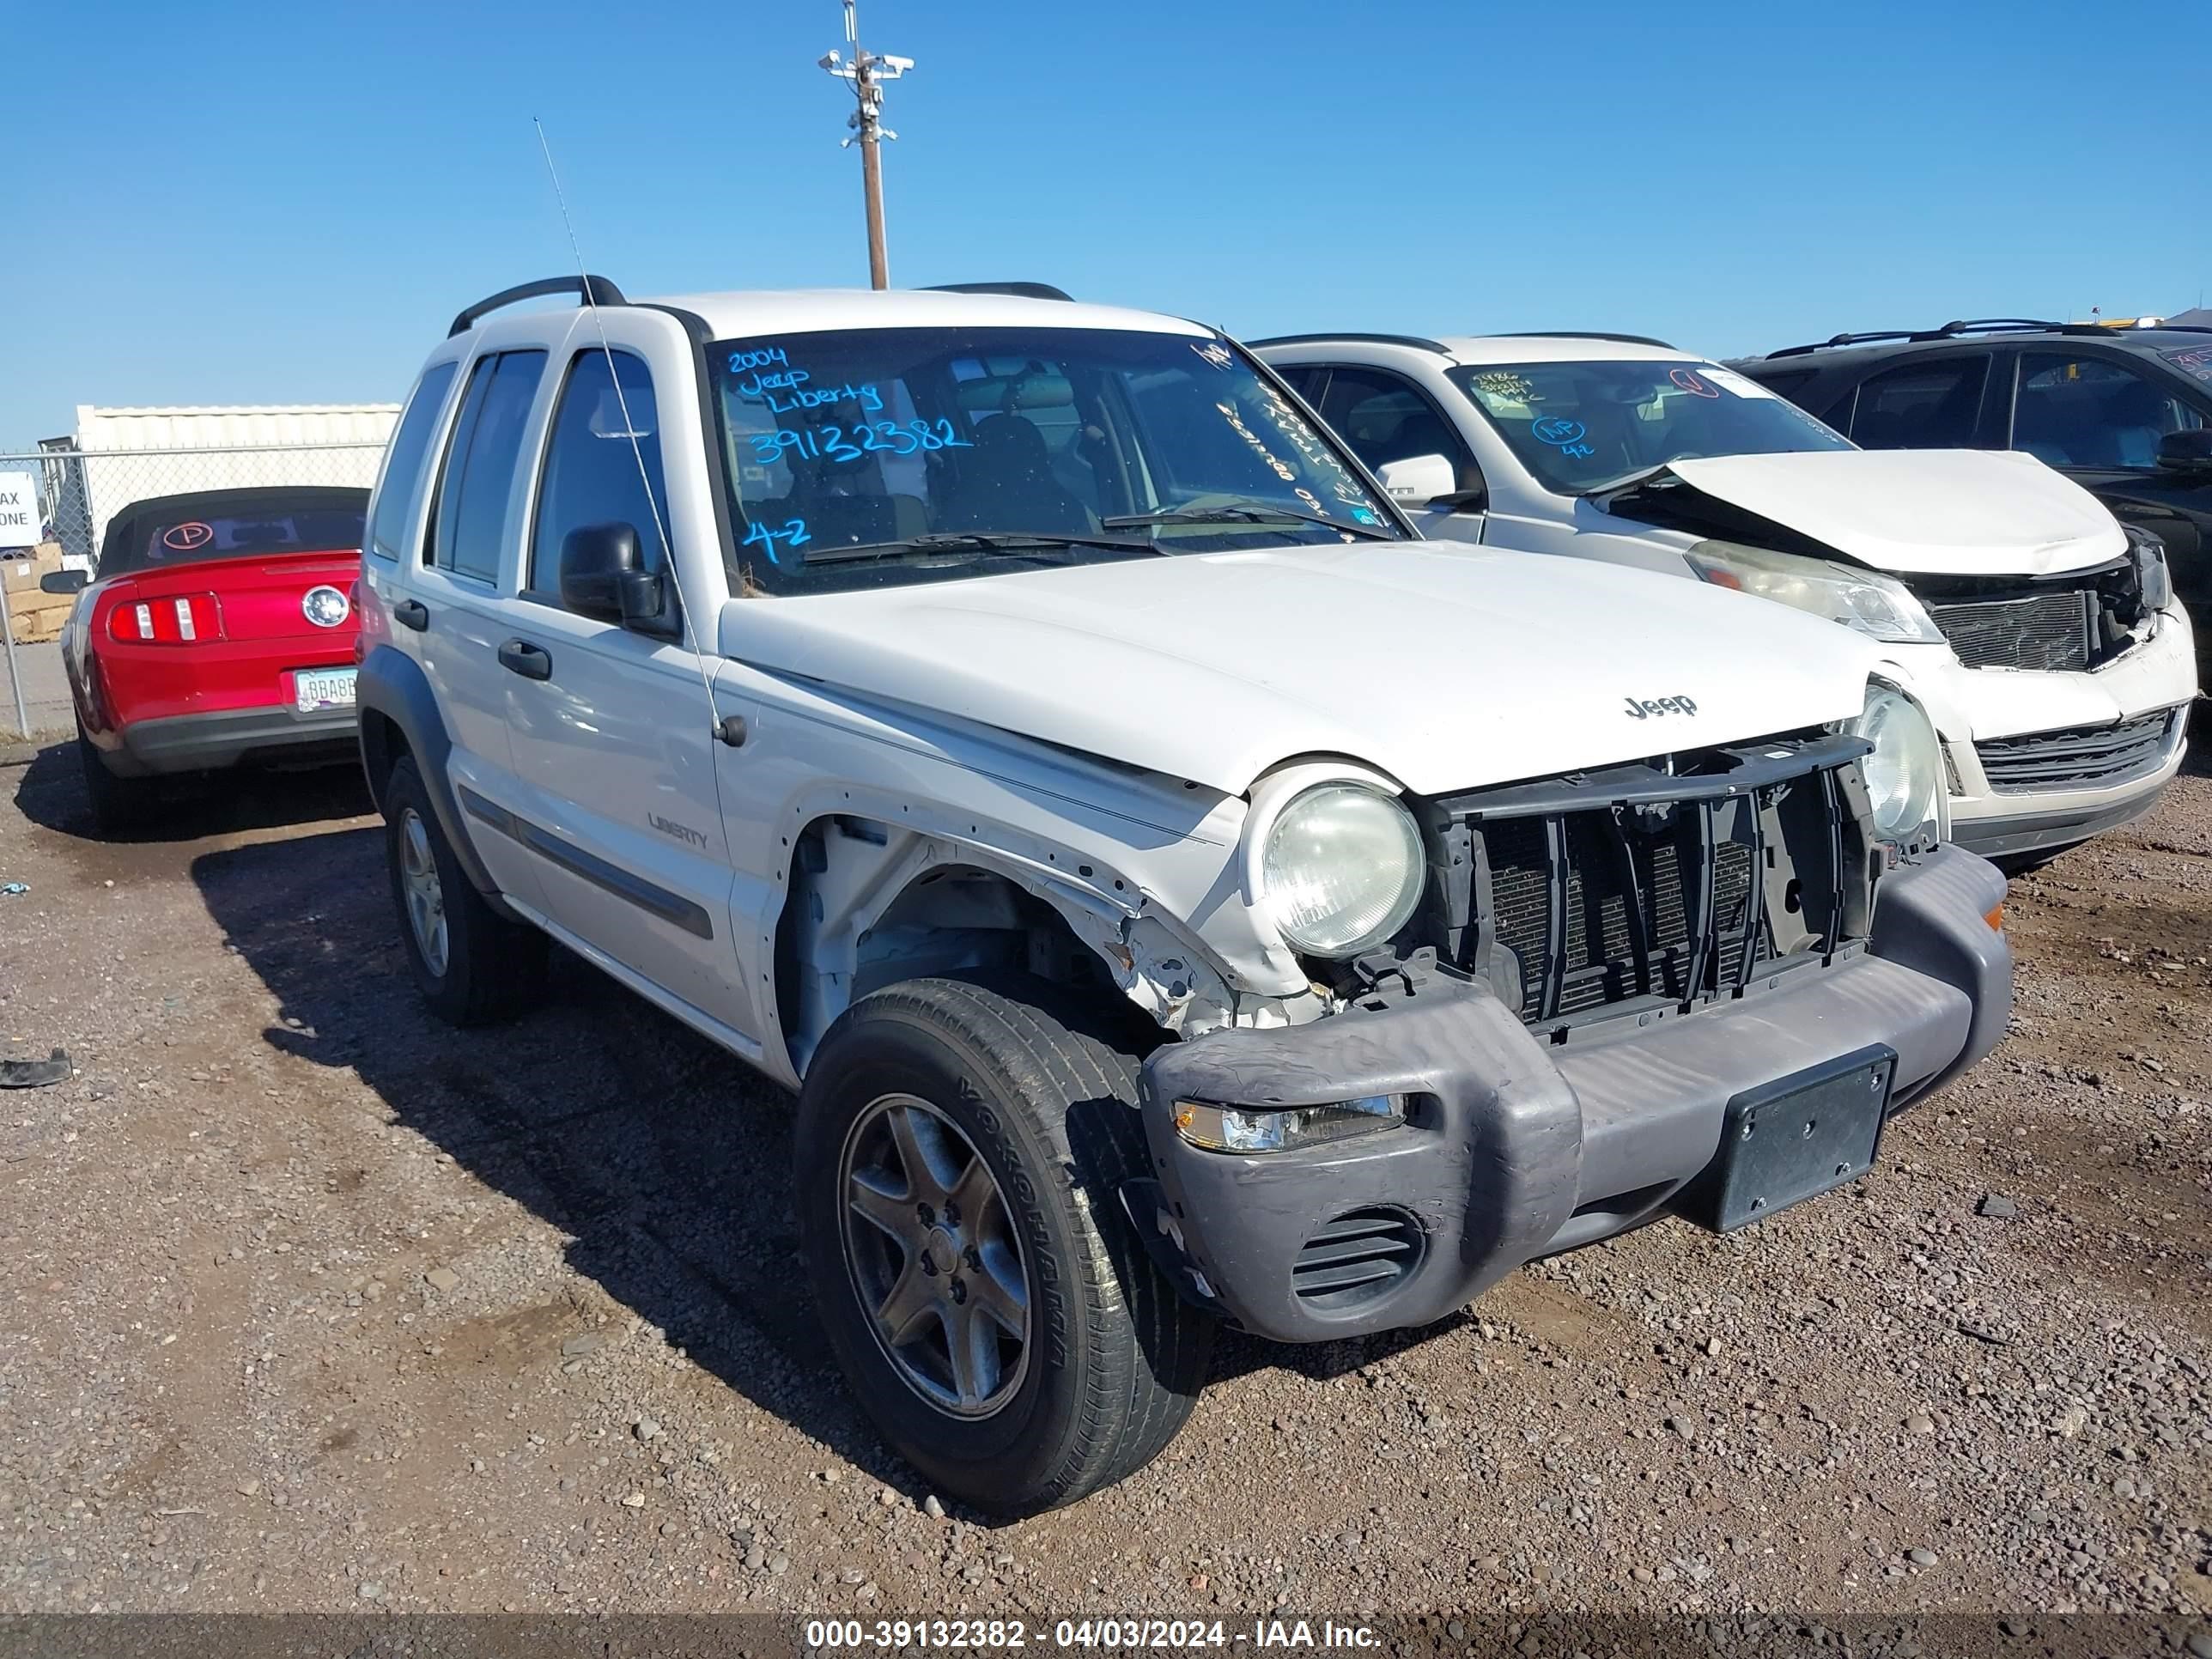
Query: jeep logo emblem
[[1645, 709]]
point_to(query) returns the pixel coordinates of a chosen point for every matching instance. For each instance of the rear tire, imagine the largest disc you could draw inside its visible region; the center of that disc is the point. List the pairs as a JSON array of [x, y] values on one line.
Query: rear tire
[[1034, 1118], [118, 805], [474, 966]]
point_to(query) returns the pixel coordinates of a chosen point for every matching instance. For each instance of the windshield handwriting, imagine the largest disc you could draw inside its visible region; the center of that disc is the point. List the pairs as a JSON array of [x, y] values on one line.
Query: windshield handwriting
[[848, 444], [786, 391], [792, 533]]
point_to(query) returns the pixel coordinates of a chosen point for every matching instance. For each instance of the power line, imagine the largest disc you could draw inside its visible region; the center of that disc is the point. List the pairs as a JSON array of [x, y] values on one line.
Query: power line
[[868, 72]]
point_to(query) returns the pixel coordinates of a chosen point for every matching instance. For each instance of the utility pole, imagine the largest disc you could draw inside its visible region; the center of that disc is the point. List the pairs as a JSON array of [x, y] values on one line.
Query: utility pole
[[868, 72]]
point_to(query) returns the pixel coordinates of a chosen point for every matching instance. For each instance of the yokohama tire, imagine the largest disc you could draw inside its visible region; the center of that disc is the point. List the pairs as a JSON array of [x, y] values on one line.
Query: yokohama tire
[[1113, 1360]]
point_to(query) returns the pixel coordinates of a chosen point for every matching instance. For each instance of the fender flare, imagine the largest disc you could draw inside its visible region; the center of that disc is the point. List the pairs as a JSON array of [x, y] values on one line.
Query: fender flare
[[391, 684]]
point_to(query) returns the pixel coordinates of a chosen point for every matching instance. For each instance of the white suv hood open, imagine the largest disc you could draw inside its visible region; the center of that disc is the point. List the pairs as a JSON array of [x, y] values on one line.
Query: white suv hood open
[[1446, 668], [1950, 512]]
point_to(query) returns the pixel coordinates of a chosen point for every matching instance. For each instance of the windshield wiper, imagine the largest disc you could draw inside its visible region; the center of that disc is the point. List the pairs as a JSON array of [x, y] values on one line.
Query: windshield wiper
[[1258, 513], [1627, 481], [984, 543]]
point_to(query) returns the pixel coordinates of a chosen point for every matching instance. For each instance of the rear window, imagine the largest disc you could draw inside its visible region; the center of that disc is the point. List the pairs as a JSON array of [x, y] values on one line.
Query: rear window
[[155, 535], [403, 467]]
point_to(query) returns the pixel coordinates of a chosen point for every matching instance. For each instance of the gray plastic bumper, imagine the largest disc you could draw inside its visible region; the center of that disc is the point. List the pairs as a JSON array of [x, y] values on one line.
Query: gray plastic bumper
[[2029, 833], [1519, 1148], [223, 738]]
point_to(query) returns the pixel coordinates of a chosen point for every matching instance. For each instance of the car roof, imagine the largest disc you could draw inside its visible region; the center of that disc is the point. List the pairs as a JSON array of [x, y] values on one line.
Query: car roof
[[1482, 349], [745, 314], [1560, 348], [1822, 355]]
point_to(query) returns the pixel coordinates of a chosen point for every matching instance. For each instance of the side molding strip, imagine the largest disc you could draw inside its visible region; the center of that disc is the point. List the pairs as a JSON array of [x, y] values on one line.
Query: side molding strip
[[653, 900]]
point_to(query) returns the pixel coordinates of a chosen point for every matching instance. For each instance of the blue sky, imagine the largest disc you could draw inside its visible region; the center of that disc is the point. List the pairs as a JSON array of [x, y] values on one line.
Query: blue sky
[[251, 204]]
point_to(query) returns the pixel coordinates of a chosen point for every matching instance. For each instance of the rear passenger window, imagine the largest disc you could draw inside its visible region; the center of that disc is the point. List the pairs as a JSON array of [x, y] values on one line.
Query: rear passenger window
[[1935, 404], [1787, 383], [602, 463], [470, 515], [1306, 382], [403, 464], [1839, 413]]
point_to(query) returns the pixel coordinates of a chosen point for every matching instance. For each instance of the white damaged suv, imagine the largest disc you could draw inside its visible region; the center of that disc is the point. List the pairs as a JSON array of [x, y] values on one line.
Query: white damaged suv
[[1178, 894], [2042, 637]]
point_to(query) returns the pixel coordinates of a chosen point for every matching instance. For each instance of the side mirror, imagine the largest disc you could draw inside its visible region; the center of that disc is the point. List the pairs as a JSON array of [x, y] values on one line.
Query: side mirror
[[64, 582], [2186, 451], [602, 576], [1429, 481]]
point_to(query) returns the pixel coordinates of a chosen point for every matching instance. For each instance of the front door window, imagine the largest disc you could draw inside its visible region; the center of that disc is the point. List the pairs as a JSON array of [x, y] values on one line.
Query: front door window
[[2092, 413]]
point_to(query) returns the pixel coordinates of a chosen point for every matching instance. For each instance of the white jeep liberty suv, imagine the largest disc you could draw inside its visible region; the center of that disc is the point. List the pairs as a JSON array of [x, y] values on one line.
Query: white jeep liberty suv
[[1178, 894]]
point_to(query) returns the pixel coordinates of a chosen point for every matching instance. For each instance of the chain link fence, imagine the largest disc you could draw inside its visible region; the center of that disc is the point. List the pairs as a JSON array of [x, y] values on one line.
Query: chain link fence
[[73, 493]]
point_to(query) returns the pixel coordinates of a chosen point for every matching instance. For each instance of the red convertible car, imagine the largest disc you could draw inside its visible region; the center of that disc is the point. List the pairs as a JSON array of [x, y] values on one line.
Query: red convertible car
[[218, 628]]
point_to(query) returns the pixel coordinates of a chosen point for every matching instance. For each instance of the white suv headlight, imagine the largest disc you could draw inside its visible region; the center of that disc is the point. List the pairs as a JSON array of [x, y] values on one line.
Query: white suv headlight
[[1875, 605], [1342, 869], [1905, 774]]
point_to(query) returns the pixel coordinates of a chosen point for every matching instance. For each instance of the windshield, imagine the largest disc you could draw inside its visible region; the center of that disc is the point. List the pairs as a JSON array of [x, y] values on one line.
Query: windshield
[[2193, 361], [870, 439], [1579, 425]]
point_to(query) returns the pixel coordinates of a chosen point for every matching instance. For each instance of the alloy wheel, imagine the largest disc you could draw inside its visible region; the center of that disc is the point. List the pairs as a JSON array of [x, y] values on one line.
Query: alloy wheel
[[426, 896], [934, 1258]]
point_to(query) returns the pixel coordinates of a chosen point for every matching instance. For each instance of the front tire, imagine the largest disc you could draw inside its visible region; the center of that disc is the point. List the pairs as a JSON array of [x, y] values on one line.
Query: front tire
[[952, 1138], [473, 965]]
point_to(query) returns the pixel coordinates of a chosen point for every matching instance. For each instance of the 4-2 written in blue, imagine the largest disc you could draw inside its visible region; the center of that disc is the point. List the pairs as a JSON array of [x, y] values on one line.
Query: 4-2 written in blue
[[792, 533]]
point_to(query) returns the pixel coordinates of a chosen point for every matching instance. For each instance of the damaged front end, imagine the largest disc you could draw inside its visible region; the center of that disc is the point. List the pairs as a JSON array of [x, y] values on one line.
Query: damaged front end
[[874, 902], [2078, 620], [2032, 619]]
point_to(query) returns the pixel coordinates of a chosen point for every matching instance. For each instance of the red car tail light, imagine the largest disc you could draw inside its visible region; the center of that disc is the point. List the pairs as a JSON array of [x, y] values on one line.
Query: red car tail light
[[182, 619]]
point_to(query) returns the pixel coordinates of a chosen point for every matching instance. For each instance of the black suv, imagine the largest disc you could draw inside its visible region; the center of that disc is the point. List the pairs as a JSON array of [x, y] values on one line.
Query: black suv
[[2126, 413]]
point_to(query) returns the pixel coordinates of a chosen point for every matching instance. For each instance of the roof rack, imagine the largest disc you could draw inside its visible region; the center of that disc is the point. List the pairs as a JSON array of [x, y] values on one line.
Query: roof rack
[[1019, 290], [1950, 331], [591, 290], [1581, 334], [1412, 340]]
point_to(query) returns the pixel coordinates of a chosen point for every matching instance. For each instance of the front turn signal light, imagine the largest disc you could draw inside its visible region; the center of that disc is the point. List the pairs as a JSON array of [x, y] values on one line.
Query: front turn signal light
[[1282, 1129]]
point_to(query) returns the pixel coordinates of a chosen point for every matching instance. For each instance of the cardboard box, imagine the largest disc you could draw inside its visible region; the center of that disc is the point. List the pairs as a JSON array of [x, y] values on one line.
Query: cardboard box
[[20, 570], [29, 624], [21, 601], [34, 615]]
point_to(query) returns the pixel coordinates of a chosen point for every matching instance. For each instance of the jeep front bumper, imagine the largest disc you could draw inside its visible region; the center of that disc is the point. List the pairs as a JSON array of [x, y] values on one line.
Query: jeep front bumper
[[1518, 1148]]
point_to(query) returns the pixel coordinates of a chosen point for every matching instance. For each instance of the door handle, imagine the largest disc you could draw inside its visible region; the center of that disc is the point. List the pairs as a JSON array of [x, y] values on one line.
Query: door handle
[[411, 613], [527, 660]]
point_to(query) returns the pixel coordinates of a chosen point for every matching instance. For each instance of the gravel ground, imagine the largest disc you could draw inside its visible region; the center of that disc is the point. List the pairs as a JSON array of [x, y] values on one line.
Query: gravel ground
[[311, 1303]]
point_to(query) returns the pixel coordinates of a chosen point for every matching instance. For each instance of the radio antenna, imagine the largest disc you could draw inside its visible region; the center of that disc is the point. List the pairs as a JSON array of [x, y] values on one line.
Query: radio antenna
[[728, 730]]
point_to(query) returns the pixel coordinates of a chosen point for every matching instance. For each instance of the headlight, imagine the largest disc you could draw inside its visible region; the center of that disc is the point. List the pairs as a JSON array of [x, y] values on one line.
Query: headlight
[[1342, 869], [1250, 1129], [2153, 579], [1875, 605], [1905, 769]]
